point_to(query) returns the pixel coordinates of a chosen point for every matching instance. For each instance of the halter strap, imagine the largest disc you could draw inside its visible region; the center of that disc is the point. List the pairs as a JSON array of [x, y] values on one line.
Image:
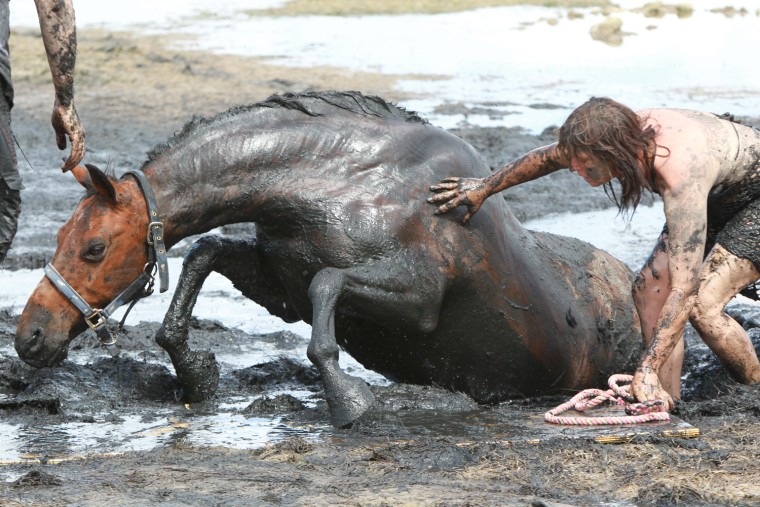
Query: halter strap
[[96, 318], [142, 287], [155, 239]]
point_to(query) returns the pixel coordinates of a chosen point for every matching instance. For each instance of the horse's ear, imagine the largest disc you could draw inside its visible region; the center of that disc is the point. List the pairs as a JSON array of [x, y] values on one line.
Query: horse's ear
[[100, 182]]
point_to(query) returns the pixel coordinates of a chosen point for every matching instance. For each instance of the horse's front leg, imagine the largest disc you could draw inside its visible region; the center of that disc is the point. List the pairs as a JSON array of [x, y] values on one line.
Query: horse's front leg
[[386, 287], [197, 371], [348, 397]]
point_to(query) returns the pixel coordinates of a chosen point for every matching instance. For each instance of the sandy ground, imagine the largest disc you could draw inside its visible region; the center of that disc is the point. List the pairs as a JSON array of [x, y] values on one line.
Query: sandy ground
[[132, 94]]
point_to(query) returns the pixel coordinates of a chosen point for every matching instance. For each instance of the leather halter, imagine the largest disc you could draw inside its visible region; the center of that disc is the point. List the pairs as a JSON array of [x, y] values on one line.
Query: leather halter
[[142, 287]]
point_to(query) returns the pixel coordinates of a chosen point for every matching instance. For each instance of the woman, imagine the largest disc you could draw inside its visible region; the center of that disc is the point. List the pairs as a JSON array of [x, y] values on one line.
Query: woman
[[707, 170]]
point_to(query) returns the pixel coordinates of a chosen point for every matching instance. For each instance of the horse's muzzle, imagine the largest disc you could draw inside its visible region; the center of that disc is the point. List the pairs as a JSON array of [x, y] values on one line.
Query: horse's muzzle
[[35, 345]]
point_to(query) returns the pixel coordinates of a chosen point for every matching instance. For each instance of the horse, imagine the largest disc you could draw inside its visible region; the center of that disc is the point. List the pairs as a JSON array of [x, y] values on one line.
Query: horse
[[336, 185]]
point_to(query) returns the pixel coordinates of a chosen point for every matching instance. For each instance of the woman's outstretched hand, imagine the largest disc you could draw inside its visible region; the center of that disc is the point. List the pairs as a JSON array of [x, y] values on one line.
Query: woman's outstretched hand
[[453, 192]]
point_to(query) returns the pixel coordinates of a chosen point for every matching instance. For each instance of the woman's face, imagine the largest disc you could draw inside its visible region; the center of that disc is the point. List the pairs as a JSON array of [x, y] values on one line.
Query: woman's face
[[591, 169]]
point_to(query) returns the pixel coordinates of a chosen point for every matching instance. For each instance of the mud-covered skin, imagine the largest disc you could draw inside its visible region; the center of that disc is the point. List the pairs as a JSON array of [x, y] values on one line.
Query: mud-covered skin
[[344, 239], [723, 275], [454, 191], [58, 28], [706, 170], [650, 290], [700, 159]]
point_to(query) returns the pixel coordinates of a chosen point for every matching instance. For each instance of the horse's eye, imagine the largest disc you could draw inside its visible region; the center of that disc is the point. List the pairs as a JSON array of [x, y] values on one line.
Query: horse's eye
[[95, 252]]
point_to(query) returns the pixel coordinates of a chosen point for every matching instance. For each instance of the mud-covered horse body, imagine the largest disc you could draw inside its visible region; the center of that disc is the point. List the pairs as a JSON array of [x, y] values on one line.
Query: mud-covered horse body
[[336, 184]]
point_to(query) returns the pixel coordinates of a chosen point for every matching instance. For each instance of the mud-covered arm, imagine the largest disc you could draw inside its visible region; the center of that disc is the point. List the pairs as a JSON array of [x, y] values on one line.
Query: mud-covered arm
[[57, 24], [686, 214], [472, 192]]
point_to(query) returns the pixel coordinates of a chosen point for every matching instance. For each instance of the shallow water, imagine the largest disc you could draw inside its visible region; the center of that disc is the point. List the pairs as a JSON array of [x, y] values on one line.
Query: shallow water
[[223, 426], [510, 60]]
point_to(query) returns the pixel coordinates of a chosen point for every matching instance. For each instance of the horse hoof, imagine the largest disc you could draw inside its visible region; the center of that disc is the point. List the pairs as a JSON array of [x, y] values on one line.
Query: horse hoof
[[198, 375], [353, 400]]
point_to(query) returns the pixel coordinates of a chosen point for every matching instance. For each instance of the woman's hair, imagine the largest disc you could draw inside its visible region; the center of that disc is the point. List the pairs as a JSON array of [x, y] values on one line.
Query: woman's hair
[[613, 134]]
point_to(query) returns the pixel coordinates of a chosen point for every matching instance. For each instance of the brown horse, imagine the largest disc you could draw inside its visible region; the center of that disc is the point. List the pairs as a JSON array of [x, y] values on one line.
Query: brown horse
[[336, 184]]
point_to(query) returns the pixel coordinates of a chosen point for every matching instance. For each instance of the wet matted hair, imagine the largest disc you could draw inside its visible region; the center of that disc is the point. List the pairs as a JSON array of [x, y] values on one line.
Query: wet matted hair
[[614, 134]]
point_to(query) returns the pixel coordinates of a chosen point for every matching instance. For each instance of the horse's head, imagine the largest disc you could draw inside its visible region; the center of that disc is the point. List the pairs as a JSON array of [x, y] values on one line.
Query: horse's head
[[101, 250]]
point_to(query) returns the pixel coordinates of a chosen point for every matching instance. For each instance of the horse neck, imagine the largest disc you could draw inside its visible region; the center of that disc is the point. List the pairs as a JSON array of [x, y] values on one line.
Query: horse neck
[[189, 206], [220, 177]]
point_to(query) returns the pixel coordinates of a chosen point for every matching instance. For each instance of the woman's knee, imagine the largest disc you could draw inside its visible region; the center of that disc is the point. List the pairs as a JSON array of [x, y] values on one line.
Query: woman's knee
[[649, 289], [704, 313], [699, 312]]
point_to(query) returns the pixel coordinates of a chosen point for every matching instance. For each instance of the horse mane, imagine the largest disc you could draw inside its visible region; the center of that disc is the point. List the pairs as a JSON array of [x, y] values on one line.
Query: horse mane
[[351, 101]]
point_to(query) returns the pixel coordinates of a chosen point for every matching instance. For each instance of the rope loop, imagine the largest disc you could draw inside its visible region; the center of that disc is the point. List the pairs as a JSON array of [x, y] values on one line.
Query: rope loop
[[617, 394]]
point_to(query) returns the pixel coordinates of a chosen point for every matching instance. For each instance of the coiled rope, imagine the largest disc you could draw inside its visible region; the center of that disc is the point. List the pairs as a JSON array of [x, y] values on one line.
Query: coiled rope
[[637, 413]]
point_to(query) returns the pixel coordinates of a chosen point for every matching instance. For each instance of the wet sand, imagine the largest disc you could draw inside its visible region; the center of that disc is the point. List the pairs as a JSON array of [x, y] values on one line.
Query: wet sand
[[419, 446]]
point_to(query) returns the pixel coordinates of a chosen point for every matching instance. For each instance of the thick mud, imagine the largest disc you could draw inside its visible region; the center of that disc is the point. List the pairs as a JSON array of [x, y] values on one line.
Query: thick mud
[[417, 446]]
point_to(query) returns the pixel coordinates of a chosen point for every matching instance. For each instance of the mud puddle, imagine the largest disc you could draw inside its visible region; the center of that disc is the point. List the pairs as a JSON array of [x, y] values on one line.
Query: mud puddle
[[96, 405]]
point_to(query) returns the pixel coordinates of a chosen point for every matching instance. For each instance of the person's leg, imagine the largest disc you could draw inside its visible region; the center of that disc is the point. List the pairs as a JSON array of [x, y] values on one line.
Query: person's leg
[[10, 207], [650, 290], [10, 181], [723, 275]]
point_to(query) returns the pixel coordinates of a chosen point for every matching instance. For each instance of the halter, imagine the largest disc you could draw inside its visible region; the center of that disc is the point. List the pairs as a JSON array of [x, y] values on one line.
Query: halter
[[142, 287]]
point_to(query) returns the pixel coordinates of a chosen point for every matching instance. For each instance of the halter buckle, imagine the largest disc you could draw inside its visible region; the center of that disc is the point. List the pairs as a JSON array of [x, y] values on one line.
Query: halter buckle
[[155, 231], [96, 320]]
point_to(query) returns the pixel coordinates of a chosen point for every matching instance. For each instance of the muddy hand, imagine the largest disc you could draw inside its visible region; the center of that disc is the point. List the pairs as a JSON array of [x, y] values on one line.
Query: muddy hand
[[646, 387], [65, 122], [453, 192]]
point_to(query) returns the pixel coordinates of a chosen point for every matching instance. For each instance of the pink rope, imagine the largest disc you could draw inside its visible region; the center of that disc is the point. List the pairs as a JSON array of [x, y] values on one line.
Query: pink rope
[[637, 413]]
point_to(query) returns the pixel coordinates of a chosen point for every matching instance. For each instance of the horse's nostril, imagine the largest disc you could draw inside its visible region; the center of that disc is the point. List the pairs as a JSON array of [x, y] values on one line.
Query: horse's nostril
[[36, 343], [36, 339], [30, 346]]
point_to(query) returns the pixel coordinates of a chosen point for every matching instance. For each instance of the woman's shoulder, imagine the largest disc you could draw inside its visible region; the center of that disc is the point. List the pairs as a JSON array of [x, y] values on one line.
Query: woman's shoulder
[[670, 115], [693, 148], [683, 127]]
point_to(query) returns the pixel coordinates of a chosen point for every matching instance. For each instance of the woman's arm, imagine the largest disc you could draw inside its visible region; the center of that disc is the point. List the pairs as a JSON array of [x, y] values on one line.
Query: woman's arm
[[531, 166], [686, 214], [57, 25], [472, 192]]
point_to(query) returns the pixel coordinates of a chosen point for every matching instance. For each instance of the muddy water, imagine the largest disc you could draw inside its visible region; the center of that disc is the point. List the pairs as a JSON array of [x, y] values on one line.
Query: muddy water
[[97, 405]]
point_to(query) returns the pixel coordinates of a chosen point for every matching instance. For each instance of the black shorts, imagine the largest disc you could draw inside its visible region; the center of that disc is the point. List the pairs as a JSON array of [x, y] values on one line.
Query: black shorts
[[741, 233], [733, 222]]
